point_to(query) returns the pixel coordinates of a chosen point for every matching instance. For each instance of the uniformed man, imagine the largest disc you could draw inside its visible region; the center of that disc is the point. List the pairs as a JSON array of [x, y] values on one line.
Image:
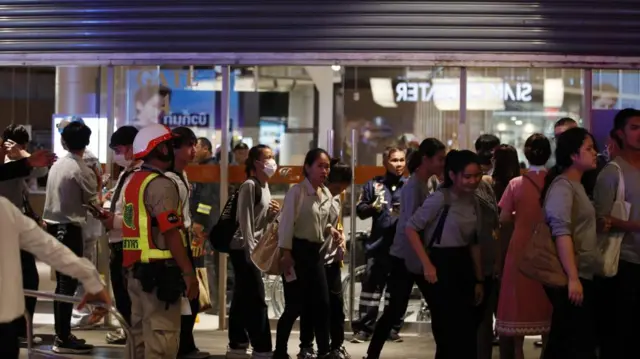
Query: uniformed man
[[158, 269], [380, 200]]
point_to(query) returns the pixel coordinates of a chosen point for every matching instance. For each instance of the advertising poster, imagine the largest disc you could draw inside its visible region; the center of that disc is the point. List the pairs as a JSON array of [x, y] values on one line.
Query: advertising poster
[[176, 97]]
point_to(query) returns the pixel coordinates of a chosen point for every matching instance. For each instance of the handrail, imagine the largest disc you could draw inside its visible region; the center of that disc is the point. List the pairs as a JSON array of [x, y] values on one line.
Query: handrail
[[67, 299]]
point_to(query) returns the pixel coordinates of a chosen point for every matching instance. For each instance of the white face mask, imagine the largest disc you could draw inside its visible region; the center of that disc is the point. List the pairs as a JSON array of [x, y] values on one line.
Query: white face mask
[[121, 161], [270, 168]]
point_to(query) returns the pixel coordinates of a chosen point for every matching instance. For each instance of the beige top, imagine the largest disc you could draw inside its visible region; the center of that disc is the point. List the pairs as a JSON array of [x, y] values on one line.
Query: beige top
[[310, 220]]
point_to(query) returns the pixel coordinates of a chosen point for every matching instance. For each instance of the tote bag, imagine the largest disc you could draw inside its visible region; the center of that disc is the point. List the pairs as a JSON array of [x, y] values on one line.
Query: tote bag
[[540, 260], [266, 254], [609, 243]]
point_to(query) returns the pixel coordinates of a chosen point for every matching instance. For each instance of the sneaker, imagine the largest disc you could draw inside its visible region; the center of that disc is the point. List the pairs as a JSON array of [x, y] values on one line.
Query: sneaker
[[395, 337], [307, 353], [196, 354], [240, 353], [71, 345], [361, 337], [117, 337], [340, 353], [80, 320]]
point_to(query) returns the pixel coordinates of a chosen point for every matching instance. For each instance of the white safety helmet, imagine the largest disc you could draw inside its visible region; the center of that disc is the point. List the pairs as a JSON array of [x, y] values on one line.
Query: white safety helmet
[[148, 138]]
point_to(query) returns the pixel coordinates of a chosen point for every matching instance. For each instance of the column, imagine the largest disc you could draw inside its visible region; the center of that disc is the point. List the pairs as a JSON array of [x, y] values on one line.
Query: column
[[77, 90], [297, 140], [322, 77]]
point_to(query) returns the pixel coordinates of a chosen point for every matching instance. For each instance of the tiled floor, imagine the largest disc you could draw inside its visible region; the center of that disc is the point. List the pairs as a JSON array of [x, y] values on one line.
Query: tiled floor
[[215, 342]]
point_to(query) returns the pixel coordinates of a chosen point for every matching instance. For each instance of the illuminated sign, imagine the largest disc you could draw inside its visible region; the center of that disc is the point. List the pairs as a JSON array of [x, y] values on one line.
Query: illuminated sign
[[477, 90]]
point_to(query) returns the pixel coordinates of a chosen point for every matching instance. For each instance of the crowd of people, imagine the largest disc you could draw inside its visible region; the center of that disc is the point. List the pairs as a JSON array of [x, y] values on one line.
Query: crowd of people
[[457, 228]]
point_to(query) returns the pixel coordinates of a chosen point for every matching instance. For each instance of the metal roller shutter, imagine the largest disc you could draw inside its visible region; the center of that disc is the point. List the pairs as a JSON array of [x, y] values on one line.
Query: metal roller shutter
[[588, 27]]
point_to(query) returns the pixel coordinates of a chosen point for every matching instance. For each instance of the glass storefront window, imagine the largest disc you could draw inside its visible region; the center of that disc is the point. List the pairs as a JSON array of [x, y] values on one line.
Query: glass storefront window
[[398, 106], [513, 103]]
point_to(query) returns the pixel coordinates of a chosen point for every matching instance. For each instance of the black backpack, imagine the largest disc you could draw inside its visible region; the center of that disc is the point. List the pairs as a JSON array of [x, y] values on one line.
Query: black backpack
[[222, 232]]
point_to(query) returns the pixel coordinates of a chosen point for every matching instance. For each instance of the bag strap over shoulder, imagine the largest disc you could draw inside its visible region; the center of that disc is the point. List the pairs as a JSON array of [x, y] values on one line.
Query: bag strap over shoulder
[[533, 183], [620, 193], [437, 233]]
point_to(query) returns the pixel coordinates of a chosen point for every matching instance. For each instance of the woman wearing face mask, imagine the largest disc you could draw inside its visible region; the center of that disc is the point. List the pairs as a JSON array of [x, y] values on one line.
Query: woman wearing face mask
[[248, 316], [304, 225]]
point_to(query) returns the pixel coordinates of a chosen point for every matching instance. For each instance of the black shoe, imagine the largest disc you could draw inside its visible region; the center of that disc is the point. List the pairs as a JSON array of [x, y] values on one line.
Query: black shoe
[[361, 337], [340, 353], [395, 337], [71, 345], [117, 337], [307, 353]]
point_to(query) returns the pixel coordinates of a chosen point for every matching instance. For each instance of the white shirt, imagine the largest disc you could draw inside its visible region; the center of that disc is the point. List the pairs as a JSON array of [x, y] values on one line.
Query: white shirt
[[21, 232]]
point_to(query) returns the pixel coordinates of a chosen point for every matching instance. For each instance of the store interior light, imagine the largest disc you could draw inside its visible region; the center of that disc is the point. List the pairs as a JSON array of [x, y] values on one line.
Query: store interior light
[[528, 128], [501, 127], [513, 118], [519, 123], [336, 67], [382, 92], [553, 93]]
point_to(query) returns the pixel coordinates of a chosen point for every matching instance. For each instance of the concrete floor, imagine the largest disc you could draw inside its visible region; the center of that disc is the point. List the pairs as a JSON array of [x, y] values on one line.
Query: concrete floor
[[215, 342]]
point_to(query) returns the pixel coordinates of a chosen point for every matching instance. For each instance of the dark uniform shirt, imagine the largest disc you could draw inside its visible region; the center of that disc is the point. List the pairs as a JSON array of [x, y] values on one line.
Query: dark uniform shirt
[[383, 225], [205, 201]]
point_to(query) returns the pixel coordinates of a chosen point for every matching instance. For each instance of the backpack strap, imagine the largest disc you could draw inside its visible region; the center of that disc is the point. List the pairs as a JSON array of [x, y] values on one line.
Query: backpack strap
[[257, 192], [437, 233]]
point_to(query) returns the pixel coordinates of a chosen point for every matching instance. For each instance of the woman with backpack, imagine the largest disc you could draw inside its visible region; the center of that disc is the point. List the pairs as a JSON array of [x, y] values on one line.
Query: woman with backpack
[[303, 234], [523, 307], [443, 234], [339, 179], [248, 315]]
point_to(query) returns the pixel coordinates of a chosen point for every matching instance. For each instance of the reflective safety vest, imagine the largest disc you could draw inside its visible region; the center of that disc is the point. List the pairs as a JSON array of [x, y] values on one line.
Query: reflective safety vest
[[137, 242]]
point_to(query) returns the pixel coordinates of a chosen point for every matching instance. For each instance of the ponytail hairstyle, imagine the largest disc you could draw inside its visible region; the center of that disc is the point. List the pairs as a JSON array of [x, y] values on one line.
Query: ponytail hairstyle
[[429, 147], [339, 172], [568, 144], [456, 161], [254, 155]]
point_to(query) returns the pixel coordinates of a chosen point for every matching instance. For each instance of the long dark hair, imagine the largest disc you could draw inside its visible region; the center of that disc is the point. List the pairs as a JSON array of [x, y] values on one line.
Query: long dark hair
[[254, 155], [456, 161], [567, 145], [311, 157], [506, 167]]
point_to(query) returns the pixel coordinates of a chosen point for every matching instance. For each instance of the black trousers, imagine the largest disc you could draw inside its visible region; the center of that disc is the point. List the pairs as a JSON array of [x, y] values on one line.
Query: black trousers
[[573, 332], [71, 236], [118, 281], [309, 292], [399, 286], [30, 280], [373, 284], [336, 311], [248, 315], [619, 312], [9, 339], [450, 300], [484, 317]]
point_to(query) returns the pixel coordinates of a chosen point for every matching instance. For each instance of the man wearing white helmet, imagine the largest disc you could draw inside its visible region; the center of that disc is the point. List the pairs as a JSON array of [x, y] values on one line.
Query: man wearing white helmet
[[155, 260]]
